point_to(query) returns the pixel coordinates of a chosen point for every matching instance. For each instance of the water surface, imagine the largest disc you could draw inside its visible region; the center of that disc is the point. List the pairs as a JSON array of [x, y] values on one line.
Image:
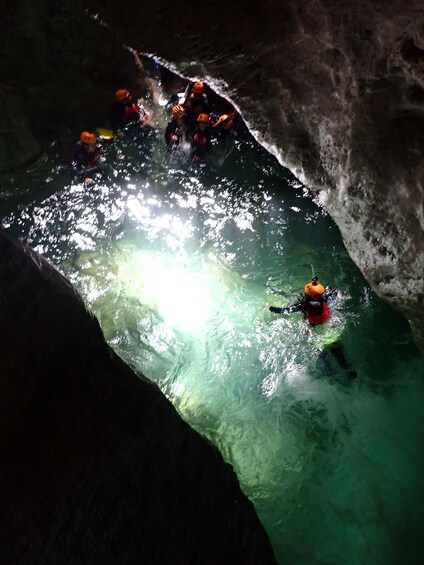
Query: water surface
[[178, 264]]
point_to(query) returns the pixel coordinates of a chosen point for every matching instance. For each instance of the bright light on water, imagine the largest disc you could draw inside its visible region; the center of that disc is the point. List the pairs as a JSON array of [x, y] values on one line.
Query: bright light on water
[[180, 294], [178, 265]]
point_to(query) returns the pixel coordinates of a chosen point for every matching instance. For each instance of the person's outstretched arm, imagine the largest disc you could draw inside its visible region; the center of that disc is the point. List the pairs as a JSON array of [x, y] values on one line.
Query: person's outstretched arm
[[297, 307]]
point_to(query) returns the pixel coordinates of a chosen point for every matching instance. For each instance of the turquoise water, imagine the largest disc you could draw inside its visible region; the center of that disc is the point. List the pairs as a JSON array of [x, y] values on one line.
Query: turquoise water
[[178, 264]]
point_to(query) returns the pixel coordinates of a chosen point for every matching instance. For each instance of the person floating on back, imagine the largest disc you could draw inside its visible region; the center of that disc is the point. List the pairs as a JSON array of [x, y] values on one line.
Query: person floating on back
[[313, 305], [177, 130], [86, 157]]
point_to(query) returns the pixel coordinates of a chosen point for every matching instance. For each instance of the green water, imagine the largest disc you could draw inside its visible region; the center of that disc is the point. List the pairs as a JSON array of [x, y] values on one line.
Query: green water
[[178, 265]]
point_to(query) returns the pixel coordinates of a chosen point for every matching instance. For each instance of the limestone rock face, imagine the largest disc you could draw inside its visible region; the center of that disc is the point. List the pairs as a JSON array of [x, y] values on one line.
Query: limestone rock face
[[97, 466], [336, 91]]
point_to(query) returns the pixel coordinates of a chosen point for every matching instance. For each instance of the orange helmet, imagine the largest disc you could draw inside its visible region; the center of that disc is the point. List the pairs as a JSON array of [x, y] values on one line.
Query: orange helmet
[[203, 118], [314, 290], [228, 125], [198, 88], [178, 111], [121, 94], [87, 137]]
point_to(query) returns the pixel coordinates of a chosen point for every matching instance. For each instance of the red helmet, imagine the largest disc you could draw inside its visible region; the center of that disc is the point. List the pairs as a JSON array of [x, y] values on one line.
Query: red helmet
[[198, 88], [87, 137], [121, 94]]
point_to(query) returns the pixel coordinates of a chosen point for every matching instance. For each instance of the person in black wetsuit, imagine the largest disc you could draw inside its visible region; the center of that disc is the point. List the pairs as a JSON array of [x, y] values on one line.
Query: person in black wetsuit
[[201, 143], [197, 103], [224, 127], [86, 157], [314, 307], [177, 128], [125, 113]]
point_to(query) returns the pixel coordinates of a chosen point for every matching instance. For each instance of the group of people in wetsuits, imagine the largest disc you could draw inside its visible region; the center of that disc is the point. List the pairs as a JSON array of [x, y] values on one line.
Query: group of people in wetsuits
[[190, 123], [126, 115]]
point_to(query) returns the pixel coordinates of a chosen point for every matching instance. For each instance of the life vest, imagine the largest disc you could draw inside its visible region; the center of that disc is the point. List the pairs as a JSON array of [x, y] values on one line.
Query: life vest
[[201, 141], [195, 106], [131, 114], [317, 312]]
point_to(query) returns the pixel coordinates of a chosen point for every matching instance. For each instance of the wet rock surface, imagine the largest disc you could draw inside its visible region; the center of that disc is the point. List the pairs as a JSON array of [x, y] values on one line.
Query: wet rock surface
[[97, 466], [336, 91]]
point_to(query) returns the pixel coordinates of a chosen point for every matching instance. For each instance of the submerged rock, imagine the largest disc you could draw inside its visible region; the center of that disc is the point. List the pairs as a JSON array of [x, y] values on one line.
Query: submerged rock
[[97, 466], [336, 91]]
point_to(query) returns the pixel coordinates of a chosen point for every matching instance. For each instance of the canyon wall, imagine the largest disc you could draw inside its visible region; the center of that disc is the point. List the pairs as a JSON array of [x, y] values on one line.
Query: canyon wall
[[97, 466]]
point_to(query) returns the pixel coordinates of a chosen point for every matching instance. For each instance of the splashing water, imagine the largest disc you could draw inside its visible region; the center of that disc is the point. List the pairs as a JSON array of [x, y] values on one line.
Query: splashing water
[[177, 264]]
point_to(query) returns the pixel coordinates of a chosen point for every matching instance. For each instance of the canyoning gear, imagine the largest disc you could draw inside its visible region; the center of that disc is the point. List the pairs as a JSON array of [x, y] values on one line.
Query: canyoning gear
[[313, 305], [201, 143], [203, 118], [225, 122], [317, 312], [314, 289], [103, 134], [201, 140], [223, 130], [88, 138], [176, 131], [198, 88], [178, 111], [131, 115], [195, 105], [85, 157], [121, 94]]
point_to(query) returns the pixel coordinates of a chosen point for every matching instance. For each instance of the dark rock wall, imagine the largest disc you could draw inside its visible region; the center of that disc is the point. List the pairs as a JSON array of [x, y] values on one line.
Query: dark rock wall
[[96, 465], [335, 89], [59, 69]]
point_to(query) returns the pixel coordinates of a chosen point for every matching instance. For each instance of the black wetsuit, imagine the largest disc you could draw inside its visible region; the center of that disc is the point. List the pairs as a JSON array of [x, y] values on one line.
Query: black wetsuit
[[174, 128], [117, 114], [194, 107], [84, 159], [316, 311]]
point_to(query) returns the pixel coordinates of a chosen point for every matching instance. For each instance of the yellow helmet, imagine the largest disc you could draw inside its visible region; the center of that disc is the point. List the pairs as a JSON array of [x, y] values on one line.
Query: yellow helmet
[[87, 137], [178, 111], [314, 290]]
